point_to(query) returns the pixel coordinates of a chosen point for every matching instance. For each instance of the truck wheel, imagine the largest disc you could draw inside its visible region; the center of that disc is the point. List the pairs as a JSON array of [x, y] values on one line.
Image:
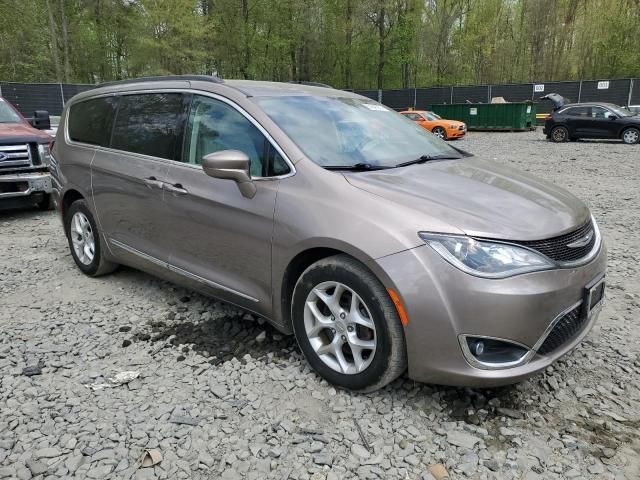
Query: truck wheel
[[85, 241], [347, 326]]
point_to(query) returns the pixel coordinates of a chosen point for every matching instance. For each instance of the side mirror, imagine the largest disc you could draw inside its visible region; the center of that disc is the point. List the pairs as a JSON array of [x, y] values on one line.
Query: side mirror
[[230, 165], [613, 117], [41, 120]]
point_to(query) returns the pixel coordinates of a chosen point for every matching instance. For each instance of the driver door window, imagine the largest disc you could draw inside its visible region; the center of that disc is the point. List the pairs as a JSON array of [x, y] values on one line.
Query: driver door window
[[214, 126]]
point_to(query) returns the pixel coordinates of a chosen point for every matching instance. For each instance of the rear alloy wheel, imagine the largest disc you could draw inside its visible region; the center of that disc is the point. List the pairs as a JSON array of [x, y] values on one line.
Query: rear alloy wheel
[[560, 134], [347, 326], [631, 136], [439, 132], [85, 241]]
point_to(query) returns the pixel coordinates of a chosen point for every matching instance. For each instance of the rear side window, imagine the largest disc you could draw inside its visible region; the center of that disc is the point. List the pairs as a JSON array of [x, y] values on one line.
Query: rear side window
[[91, 121], [150, 124], [577, 112]]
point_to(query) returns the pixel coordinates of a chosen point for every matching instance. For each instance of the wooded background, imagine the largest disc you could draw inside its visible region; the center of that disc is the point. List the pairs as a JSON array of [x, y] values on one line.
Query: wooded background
[[362, 44]]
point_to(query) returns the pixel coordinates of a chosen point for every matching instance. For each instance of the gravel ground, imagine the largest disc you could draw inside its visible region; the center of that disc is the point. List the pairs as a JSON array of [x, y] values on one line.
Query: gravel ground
[[222, 395]]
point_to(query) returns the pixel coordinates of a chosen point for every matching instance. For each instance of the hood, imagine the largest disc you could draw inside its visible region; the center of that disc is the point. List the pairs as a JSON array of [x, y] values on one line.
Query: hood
[[479, 197], [21, 133]]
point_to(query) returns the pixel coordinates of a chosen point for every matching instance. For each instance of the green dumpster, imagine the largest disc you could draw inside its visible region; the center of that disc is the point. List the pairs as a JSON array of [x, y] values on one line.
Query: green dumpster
[[490, 116]]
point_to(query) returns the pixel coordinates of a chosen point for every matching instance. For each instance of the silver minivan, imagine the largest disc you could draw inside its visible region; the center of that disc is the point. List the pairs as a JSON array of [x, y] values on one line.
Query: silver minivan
[[378, 245]]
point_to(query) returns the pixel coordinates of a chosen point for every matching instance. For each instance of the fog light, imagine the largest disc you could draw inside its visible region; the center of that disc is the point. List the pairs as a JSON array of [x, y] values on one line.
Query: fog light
[[490, 353]]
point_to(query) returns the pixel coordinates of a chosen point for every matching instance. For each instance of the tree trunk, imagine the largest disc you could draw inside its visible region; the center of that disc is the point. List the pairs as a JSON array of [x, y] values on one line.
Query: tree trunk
[[53, 39], [65, 41], [381, 42], [348, 74]]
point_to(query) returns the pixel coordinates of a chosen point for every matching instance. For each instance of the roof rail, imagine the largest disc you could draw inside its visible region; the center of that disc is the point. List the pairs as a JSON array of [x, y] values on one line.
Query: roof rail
[[311, 84], [164, 78]]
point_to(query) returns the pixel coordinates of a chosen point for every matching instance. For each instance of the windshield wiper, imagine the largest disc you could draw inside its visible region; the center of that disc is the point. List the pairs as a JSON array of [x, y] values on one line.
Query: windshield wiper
[[427, 158], [358, 167]]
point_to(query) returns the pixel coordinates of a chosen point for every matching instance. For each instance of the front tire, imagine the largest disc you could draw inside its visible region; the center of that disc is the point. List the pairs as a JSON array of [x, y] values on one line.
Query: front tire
[[439, 132], [347, 325], [631, 136], [85, 241], [559, 134]]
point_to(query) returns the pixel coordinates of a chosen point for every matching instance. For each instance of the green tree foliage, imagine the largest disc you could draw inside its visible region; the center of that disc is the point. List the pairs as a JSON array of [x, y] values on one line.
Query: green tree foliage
[[345, 43]]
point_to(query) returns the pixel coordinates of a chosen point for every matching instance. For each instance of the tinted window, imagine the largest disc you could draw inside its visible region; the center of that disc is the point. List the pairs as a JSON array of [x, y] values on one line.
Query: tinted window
[[577, 112], [214, 126], [91, 121], [151, 124]]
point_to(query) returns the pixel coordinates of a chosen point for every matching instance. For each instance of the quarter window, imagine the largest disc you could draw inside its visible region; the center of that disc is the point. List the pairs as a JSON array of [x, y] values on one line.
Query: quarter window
[[91, 121], [214, 126], [150, 124]]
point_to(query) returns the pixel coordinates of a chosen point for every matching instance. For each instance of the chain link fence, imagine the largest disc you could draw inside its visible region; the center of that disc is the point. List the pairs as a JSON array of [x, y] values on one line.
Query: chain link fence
[[28, 97]]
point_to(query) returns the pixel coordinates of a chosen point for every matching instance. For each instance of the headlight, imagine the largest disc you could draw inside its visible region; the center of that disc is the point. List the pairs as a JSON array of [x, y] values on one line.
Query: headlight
[[485, 258], [44, 153], [453, 127]]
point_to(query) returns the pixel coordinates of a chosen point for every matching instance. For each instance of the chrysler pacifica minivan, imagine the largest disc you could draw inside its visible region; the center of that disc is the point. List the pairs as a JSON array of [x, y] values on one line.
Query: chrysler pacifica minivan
[[378, 245]]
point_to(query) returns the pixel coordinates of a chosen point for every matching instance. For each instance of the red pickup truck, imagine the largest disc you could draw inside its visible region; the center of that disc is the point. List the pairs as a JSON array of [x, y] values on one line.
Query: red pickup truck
[[24, 158]]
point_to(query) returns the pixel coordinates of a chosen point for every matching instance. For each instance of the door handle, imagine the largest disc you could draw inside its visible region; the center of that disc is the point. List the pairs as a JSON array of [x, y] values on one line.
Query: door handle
[[176, 188], [153, 182]]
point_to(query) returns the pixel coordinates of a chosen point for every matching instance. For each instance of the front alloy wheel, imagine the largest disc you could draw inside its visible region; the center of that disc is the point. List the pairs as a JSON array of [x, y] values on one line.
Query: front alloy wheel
[[347, 326], [631, 136], [339, 327]]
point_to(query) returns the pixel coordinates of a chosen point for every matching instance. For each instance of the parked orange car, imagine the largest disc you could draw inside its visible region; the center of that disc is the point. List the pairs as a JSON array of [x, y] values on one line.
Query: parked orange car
[[446, 129]]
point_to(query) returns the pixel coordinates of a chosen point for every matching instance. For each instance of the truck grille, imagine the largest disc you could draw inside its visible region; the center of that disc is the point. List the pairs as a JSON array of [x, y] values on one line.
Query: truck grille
[[15, 156], [564, 330], [558, 248]]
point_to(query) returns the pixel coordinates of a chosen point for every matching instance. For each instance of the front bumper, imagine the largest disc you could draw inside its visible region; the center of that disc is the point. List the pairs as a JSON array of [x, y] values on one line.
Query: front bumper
[[24, 184], [444, 303]]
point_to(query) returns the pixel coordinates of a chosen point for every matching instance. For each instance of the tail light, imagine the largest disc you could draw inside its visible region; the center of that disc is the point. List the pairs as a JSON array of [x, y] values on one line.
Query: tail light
[[548, 117]]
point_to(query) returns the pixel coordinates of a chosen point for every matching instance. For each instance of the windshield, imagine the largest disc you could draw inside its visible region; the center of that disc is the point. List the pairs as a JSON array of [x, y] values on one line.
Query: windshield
[[7, 114], [432, 116], [621, 111], [348, 131]]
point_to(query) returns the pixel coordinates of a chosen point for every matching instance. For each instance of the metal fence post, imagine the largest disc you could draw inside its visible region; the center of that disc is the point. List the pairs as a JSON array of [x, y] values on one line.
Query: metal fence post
[[379, 95], [415, 97], [451, 95], [62, 95], [488, 93], [580, 91], [0, 90], [629, 97]]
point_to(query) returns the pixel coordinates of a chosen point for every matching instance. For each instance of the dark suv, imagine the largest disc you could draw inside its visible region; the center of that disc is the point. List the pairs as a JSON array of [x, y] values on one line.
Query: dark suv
[[592, 120], [24, 157]]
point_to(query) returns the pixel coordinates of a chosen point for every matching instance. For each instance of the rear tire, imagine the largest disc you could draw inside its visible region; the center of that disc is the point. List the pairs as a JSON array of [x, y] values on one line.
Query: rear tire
[[439, 132], [85, 241], [559, 134], [347, 325], [631, 136]]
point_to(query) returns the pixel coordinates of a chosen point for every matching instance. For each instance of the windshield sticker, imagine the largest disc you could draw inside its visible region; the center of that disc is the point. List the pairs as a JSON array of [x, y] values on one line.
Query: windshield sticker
[[375, 107]]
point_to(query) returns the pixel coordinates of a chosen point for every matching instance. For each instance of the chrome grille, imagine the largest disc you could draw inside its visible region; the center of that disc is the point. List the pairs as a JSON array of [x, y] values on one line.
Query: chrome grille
[[557, 248], [12, 156], [565, 329]]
